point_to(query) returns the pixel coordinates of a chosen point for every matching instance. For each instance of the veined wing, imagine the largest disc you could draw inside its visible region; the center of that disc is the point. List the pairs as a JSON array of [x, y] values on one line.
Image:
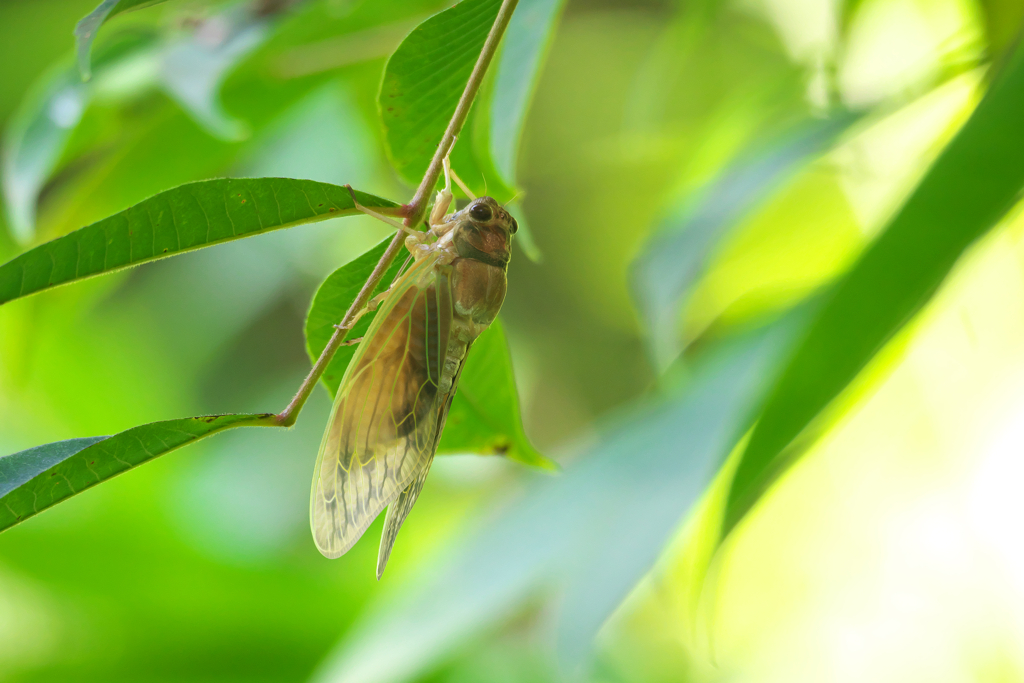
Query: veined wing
[[383, 426], [399, 509]]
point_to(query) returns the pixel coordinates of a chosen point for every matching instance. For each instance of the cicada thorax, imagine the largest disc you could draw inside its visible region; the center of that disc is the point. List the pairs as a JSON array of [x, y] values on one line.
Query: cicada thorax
[[478, 273]]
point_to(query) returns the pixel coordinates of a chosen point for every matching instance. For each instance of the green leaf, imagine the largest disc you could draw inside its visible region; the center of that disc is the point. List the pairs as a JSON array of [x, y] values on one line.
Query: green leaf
[[679, 443], [40, 477], [85, 30], [33, 143], [39, 130], [971, 186], [524, 236], [192, 69], [424, 72], [186, 218], [424, 79], [496, 122], [331, 302], [848, 13], [484, 416], [485, 154], [1002, 21], [470, 157], [524, 48], [126, 67], [595, 530], [676, 254]]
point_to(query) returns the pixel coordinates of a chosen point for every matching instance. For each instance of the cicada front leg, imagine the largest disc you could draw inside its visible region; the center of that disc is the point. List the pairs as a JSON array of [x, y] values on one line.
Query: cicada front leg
[[415, 241], [370, 306], [379, 216], [440, 220], [444, 198], [418, 243], [462, 185]]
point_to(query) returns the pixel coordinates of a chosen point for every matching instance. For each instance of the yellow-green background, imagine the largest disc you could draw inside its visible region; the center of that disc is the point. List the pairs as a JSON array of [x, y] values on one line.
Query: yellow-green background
[[893, 552]]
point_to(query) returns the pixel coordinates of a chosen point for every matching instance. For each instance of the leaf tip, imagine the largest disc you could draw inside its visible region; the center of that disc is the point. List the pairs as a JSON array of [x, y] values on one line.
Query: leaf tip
[[531, 457]]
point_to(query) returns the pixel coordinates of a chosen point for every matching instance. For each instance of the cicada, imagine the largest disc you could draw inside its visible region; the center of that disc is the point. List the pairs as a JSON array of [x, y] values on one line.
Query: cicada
[[391, 406]]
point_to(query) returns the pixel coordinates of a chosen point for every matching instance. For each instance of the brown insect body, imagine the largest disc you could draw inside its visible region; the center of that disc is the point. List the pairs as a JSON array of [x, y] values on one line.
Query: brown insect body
[[391, 407]]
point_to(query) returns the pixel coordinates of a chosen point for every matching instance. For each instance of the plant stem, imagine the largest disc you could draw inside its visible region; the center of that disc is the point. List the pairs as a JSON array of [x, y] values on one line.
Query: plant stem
[[286, 417], [414, 212], [418, 206]]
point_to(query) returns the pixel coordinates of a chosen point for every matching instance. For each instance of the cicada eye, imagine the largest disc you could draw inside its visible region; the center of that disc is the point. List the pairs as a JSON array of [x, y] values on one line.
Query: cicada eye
[[480, 212], [515, 226]]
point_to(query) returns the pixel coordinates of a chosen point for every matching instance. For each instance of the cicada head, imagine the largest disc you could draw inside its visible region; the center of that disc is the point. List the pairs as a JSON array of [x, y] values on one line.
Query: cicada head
[[483, 231]]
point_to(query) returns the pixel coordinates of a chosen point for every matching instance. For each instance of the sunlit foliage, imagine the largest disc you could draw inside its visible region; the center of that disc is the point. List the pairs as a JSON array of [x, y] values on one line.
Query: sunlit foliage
[[765, 312]]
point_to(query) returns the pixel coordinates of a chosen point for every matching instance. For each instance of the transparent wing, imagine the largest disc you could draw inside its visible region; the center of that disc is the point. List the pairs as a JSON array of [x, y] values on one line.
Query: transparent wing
[[383, 426], [399, 509]]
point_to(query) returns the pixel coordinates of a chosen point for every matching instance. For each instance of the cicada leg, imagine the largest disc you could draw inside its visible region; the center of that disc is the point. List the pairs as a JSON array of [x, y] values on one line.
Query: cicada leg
[[444, 198], [370, 306], [381, 217], [462, 185], [438, 225]]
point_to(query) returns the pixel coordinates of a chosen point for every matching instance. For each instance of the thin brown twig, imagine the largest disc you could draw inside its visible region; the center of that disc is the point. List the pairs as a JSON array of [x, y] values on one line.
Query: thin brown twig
[[418, 205], [413, 212]]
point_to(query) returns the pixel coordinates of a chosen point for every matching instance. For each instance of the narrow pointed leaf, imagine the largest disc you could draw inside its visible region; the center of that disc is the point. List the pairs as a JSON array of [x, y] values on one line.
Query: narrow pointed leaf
[[38, 132], [595, 530], [35, 479], [1002, 22], [972, 185], [518, 68], [678, 447], [85, 30], [33, 142], [675, 256], [331, 302], [484, 416], [193, 69], [186, 65], [186, 218], [496, 136]]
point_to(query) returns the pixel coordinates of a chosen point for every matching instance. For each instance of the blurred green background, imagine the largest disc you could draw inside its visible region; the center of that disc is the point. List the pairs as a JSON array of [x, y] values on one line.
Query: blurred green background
[[893, 552]]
